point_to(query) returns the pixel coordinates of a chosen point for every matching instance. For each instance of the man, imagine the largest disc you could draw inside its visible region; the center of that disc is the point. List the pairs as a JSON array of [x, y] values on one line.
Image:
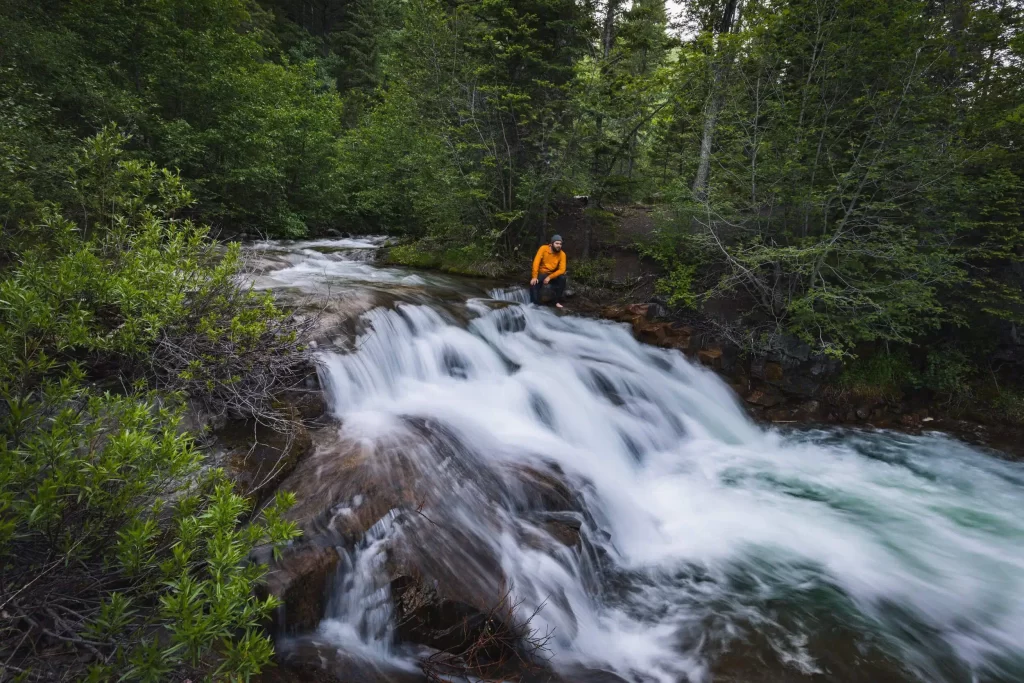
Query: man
[[549, 269]]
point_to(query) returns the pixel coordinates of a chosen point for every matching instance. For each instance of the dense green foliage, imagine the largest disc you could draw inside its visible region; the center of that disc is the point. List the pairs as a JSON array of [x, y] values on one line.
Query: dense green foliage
[[841, 171], [199, 86], [122, 556], [847, 171]]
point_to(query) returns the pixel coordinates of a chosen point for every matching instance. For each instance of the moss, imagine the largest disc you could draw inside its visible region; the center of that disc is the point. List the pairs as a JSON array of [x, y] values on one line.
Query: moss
[[472, 260]]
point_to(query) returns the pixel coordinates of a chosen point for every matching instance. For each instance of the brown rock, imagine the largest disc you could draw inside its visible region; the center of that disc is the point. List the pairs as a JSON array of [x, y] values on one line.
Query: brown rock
[[711, 357], [773, 372], [563, 533], [678, 341], [616, 313], [809, 410], [761, 397], [653, 333], [780, 415], [309, 660], [308, 404], [259, 458], [301, 579], [642, 310]]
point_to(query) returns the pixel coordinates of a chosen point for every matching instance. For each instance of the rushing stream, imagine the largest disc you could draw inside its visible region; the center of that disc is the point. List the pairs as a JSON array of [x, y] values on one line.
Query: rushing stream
[[715, 549]]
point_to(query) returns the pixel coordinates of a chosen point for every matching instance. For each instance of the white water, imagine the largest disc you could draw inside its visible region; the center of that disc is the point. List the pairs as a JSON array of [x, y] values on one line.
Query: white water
[[906, 550]]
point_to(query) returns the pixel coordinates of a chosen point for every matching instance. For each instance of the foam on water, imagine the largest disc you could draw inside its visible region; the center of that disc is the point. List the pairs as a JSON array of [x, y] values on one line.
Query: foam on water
[[697, 499], [712, 530]]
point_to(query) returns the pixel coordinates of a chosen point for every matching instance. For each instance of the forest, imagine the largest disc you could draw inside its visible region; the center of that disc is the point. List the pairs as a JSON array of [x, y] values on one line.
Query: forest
[[848, 173]]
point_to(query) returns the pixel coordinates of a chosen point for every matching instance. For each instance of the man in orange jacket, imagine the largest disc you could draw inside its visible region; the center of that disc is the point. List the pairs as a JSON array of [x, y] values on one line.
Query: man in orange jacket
[[549, 269]]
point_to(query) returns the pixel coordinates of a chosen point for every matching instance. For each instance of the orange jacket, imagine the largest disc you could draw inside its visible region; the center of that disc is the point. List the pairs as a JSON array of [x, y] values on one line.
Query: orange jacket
[[549, 262]]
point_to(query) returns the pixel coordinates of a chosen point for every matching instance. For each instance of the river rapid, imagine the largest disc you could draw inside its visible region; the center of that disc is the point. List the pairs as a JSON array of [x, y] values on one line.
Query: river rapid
[[714, 549]]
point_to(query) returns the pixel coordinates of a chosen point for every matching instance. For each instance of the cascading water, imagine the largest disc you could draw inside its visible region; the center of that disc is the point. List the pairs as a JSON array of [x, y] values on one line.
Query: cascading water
[[715, 549]]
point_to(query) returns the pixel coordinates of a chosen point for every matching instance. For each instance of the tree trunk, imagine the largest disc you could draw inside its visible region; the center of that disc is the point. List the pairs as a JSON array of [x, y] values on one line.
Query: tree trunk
[[719, 63]]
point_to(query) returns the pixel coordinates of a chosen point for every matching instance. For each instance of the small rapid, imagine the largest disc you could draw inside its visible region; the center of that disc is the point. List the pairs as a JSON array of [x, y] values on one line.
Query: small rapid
[[713, 548]]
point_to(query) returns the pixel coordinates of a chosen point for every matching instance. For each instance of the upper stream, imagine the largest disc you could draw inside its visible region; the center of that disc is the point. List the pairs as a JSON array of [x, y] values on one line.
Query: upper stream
[[715, 549]]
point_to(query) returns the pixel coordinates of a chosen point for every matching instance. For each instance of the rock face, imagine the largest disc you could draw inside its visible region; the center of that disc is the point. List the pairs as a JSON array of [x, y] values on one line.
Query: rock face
[[778, 386], [444, 574], [301, 579]]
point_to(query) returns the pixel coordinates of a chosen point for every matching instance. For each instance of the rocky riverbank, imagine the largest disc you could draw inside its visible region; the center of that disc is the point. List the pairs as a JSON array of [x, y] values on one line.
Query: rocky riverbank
[[794, 386]]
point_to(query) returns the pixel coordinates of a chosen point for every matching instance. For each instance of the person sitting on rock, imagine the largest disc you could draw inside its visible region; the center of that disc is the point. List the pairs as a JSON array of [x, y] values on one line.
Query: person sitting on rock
[[549, 269]]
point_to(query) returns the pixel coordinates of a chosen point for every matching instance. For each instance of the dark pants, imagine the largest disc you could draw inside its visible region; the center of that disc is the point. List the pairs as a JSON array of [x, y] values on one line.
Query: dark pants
[[557, 288]]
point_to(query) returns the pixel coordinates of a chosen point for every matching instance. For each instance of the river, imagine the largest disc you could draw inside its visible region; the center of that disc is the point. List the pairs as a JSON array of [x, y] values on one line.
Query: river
[[715, 549]]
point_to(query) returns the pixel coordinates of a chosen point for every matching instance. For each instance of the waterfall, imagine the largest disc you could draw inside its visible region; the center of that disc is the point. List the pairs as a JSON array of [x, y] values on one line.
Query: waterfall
[[708, 541]]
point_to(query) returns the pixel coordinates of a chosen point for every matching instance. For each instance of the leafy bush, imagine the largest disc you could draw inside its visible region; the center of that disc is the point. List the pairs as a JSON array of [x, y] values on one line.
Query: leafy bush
[[120, 558], [948, 372], [681, 254], [1008, 405], [126, 284], [120, 555], [881, 375]]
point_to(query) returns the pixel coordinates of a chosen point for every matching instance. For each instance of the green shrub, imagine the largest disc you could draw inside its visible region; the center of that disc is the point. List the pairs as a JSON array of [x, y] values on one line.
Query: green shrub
[[125, 284], [880, 375], [592, 272], [117, 550], [121, 557], [681, 255], [1009, 406], [948, 372]]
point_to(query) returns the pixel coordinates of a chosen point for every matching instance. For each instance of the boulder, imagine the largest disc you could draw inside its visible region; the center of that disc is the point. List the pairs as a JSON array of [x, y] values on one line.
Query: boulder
[[307, 404], [642, 311], [779, 415], [808, 410], [564, 527]]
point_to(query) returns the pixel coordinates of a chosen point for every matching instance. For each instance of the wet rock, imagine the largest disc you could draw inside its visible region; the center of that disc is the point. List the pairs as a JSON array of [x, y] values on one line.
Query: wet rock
[[766, 398], [564, 534], [425, 617], [616, 313], [301, 579], [808, 410], [779, 415], [564, 527], [863, 412], [640, 310], [712, 358], [311, 659], [260, 457], [652, 333], [307, 404], [545, 488]]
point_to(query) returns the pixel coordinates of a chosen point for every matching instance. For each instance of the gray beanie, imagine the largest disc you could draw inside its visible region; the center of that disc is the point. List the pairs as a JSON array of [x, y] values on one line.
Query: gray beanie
[[556, 238]]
